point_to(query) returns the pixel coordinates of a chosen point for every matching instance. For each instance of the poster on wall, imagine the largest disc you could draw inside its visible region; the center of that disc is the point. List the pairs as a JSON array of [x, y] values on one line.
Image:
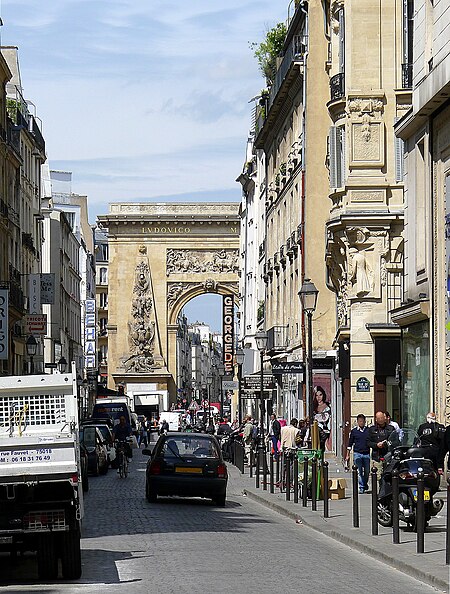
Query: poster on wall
[[322, 405]]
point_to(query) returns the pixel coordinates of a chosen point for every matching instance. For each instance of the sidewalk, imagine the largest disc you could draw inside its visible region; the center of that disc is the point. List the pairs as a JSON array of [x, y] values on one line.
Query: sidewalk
[[428, 567]]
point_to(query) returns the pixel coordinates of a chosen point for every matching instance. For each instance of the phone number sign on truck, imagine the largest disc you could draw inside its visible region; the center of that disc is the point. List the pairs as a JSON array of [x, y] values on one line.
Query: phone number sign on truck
[[34, 456]]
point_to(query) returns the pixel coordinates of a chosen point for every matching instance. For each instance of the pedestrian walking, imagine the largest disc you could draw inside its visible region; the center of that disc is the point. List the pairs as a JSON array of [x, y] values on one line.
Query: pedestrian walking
[[378, 438], [361, 451], [274, 434], [432, 436], [248, 436]]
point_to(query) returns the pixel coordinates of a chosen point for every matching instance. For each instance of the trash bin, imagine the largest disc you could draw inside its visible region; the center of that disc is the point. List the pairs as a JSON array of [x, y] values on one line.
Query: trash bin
[[310, 454]]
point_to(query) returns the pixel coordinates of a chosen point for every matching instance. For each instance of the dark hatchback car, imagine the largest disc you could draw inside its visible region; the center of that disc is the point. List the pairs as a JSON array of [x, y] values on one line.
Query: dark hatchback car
[[187, 465], [92, 440]]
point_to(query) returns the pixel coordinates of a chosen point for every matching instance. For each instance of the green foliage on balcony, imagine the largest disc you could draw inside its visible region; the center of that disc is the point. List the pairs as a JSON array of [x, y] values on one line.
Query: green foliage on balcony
[[269, 50]]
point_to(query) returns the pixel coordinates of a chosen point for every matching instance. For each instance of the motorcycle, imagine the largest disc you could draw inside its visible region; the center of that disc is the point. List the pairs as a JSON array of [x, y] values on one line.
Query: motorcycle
[[408, 457]]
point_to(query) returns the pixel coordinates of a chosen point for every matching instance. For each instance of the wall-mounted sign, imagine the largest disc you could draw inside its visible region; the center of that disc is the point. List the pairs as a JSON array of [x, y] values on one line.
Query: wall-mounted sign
[[4, 324], [90, 335], [35, 324], [228, 334], [282, 367], [230, 385], [253, 382], [362, 385], [48, 288], [34, 293]]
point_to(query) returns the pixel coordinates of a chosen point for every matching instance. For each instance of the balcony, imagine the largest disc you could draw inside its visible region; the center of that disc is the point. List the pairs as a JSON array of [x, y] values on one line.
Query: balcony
[[282, 255], [294, 54], [277, 338], [276, 261], [407, 75], [27, 241], [262, 250], [34, 129], [337, 90]]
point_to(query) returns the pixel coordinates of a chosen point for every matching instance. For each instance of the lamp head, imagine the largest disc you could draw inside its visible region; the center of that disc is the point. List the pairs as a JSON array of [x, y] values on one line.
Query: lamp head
[[31, 346], [261, 341], [308, 296]]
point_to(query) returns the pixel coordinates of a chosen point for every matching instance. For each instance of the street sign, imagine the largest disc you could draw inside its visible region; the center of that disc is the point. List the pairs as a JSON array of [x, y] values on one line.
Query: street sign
[[253, 382], [36, 324], [267, 395], [50, 365], [230, 385], [283, 367]]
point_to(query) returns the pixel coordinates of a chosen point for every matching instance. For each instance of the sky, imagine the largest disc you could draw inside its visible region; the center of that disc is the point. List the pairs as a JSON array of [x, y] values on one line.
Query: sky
[[144, 99]]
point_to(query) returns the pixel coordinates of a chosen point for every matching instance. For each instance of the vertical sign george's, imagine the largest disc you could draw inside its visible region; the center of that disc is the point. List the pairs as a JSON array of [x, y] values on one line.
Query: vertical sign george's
[[4, 324], [228, 334]]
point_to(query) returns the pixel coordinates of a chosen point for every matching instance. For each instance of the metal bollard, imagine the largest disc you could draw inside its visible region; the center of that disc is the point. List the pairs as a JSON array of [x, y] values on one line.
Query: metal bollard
[[447, 535], [374, 481], [314, 484], [395, 509], [355, 493], [278, 468], [264, 467], [250, 462], [257, 471], [295, 478], [271, 482], [326, 503], [420, 513], [288, 477], [305, 482]]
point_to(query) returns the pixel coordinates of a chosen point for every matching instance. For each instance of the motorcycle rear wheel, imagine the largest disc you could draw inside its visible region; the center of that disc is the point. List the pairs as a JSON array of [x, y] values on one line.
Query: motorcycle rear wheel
[[384, 513]]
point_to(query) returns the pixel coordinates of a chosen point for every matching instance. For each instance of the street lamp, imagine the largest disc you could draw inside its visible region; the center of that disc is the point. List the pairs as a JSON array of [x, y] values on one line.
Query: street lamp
[[209, 381], [308, 298], [31, 346], [221, 372], [240, 361], [261, 344], [62, 363]]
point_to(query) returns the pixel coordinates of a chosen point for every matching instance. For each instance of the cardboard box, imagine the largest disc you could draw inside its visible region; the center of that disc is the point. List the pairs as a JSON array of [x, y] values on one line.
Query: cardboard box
[[336, 487]]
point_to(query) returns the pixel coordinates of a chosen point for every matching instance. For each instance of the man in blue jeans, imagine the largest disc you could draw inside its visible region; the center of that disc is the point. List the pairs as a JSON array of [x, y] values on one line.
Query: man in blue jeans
[[361, 451]]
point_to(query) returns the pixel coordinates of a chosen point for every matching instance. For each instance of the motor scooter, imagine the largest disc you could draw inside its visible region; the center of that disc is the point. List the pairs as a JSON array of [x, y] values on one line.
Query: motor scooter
[[408, 457]]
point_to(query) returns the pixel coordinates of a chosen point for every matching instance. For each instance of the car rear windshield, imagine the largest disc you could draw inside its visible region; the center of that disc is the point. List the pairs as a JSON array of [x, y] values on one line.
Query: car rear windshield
[[189, 447]]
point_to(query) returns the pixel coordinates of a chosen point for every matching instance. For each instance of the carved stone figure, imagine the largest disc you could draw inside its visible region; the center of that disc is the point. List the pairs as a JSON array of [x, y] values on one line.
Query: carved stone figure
[[189, 261], [360, 273]]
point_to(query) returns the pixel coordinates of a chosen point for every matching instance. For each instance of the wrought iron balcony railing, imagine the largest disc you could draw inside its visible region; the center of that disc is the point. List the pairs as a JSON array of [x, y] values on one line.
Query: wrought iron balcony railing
[[407, 75], [337, 89]]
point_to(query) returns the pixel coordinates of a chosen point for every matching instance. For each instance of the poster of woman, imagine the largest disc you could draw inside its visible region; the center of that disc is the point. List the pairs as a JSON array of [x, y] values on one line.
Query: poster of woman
[[322, 414]]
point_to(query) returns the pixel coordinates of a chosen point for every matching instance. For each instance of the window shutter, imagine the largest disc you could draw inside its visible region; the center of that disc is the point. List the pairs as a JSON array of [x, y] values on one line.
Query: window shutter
[[333, 160], [399, 158], [337, 156]]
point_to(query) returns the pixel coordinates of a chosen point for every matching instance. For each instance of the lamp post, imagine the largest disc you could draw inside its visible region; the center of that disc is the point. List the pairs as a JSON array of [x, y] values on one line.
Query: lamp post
[[209, 381], [308, 298], [221, 371], [261, 344], [62, 363], [31, 346], [240, 361]]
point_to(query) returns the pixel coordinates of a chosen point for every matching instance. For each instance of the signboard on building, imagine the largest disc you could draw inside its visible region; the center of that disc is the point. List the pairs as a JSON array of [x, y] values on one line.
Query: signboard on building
[[90, 335], [34, 293], [253, 383], [48, 288], [229, 385], [35, 324], [283, 367], [362, 385], [4, 324], [228, 334]]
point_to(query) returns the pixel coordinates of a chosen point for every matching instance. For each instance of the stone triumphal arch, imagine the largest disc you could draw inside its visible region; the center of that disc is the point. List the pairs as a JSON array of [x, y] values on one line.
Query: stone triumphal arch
[[161, 255]]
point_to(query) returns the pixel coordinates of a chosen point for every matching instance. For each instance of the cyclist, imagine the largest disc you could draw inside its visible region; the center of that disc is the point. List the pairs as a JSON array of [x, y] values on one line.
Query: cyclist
[[121, 432]]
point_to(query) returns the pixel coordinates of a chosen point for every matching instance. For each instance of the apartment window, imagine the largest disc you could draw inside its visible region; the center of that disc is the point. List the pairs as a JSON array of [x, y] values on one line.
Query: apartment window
[[337, 156], [104, 300], [103, 276], [408, 32], [399, 158], [341, 40]]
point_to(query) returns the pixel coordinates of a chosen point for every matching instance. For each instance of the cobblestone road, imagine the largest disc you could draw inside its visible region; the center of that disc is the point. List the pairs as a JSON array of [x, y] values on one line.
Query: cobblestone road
[[189, 546]]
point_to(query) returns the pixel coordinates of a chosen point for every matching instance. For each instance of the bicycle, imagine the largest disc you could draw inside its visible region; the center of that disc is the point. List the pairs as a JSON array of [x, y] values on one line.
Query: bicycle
[[122, 459]]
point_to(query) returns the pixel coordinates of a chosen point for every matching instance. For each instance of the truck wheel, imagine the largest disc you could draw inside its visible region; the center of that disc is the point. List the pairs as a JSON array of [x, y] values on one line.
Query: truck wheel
[[71, 555], [47, 558]]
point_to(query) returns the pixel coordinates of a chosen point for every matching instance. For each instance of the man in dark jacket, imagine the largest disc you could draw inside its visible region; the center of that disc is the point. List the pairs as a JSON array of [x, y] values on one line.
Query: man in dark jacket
[[274, 434], [433, 437], [377, 440], [361, 451]]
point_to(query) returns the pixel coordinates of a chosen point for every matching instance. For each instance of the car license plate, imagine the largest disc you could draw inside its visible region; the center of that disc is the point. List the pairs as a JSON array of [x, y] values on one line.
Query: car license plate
[[426, 495], [188, 470]]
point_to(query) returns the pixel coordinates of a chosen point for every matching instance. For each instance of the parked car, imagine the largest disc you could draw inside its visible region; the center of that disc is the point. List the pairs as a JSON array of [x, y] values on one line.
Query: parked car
[[106, 431], [188, 465], [84, 467], [93, 441]]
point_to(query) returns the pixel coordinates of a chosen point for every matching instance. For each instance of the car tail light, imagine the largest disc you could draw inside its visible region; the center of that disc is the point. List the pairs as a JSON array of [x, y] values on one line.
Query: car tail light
[[221, 471], [155, 468], [74, 479]]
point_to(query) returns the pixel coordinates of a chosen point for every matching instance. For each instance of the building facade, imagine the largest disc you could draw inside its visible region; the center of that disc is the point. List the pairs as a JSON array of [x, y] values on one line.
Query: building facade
[[425, 130]]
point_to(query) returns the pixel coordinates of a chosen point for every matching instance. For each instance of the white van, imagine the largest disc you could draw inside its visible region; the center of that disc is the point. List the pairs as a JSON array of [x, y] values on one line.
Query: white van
[[173, 418]]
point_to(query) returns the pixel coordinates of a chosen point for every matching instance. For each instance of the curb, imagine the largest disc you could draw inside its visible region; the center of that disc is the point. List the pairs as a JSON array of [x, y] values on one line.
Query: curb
[[398, 564]]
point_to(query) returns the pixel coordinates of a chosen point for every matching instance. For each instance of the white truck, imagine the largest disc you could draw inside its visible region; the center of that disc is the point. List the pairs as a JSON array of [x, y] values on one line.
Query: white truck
[[41, 496]]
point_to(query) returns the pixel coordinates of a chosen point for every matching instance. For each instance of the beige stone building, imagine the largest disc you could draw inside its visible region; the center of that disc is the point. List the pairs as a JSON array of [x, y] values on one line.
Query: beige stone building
[[424, 315], [161, 256], [370, 89]]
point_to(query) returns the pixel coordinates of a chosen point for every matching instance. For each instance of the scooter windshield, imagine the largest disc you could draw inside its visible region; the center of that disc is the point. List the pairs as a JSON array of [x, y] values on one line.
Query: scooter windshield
[[405, 438]]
